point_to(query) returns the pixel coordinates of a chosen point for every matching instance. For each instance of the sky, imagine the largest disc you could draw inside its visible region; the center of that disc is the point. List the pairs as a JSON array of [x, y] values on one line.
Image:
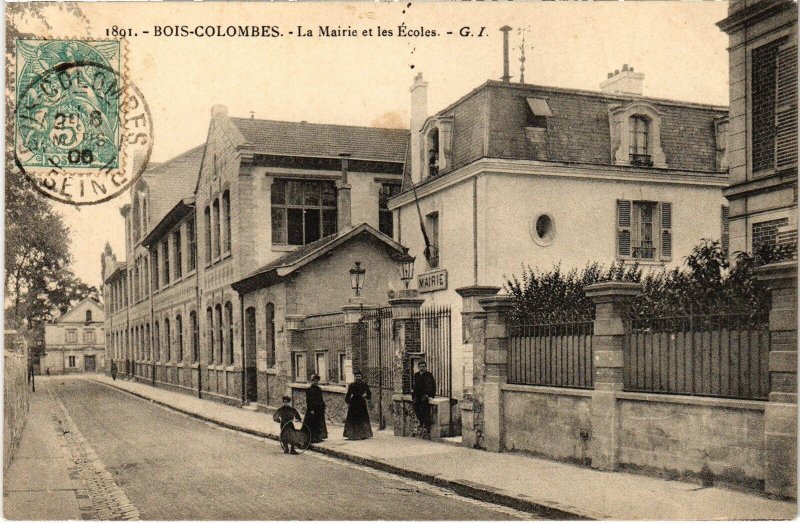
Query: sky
[[365, 80]]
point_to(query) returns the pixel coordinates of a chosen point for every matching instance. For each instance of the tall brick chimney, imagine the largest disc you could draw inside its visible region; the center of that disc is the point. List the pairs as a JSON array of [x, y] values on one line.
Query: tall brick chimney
[[344, 216], [419, 113], [506, 73], [623, 82]]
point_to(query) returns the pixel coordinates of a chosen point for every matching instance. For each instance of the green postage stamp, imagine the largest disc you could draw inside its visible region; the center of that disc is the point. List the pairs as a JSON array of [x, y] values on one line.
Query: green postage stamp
[[76, 120]]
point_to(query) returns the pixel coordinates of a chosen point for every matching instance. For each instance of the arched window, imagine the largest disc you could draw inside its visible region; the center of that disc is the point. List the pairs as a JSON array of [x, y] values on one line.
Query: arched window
[[229, 323], [147, 342], [167, 341], [195, 335], [136, 220], [226, 212], [270, 335], [220, 333], [210, 335], [217, 229], [144, 215], [179, 338], [208, 234], [156, 342], [639, 130], [88, 316]]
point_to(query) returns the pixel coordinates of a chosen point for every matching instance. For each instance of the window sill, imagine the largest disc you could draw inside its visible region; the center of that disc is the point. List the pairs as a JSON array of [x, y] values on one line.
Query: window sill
[[226, 255], [643, 262], [274, 370]]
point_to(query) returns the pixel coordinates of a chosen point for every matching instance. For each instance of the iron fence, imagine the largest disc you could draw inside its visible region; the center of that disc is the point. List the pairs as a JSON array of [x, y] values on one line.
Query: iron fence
[[554, 353], [434, 337], [377, 341], [722, 355]]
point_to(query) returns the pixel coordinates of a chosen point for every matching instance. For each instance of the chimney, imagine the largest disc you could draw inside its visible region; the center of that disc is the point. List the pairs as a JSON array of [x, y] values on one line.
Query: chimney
[[343, 202], [506, 75], [418, 113], [219, 110], [623, 82]]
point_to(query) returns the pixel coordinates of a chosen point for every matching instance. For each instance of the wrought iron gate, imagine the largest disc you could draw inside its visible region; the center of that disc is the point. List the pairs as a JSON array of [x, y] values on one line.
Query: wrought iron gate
[[376, 342]]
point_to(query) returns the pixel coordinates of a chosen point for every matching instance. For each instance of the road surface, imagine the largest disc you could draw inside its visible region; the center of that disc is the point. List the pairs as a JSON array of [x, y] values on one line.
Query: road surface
[[173, 467]]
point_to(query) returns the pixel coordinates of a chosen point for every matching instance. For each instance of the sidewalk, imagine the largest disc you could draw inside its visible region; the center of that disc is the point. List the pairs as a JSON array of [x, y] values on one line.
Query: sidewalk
[[549, 488], [38, 485]]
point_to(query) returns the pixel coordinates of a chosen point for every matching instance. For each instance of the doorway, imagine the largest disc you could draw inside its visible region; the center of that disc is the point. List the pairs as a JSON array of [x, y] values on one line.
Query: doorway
[[90, 363]]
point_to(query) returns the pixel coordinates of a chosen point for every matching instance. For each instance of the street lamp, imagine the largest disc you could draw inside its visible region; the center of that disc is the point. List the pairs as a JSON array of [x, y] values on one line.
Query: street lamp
[[357, 278], [406, 266]]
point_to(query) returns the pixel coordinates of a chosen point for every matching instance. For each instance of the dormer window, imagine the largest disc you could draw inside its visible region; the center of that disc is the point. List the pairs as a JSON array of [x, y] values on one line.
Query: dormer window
[[436, 146], [636, 135], [639, 129], [433, 152]]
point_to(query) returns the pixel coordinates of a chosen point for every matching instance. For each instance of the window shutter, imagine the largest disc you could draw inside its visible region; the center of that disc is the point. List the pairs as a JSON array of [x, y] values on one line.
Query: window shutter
[[624, 228], [726, 231], [666, 231], [786, 107]]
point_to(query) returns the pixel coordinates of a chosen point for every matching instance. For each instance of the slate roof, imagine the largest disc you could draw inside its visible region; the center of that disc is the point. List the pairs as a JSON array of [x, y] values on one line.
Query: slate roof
[[170, 182], [578, 131], [323, 140]]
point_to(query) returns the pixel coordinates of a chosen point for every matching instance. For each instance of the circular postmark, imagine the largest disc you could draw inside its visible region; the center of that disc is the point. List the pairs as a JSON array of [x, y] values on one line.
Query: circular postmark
[[82, 134]]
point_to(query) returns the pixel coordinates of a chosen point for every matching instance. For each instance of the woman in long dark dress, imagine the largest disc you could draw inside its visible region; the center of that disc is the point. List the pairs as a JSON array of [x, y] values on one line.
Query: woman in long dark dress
[[356, 425], [315, 411]]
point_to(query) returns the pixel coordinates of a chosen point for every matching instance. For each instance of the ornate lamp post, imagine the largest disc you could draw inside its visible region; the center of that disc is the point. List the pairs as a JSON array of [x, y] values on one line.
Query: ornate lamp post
[[357, 278], [406, 267]]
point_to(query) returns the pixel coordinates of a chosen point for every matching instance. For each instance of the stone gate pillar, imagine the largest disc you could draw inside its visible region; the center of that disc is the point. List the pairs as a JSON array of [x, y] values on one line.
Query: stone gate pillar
[[612, 302], [780, 414], [495, 360], [355, 350], [405, 340], [473, 332]]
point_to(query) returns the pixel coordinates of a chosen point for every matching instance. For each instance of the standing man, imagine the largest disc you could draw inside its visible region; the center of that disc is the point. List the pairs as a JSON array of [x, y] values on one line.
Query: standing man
[[113, 370], [423, 389]]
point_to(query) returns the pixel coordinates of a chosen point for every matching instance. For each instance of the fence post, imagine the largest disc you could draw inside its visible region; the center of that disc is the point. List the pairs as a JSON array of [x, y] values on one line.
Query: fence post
[[473, 332], [355, 351], [612, 301], [495, 360], [780, 414], [405, 339]]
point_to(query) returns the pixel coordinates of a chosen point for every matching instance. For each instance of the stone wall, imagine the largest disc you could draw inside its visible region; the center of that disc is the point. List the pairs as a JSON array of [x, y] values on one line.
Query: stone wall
[[700, 438], [548, 421], [336, 408], [15, 396]]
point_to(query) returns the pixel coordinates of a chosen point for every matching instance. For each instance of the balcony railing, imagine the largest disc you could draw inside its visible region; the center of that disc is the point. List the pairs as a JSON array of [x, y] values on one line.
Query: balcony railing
[[641, 160], [644, 253]]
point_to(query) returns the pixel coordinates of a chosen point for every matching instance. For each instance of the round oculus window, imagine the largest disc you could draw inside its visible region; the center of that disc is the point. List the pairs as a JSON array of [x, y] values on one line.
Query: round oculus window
[[543, 230]]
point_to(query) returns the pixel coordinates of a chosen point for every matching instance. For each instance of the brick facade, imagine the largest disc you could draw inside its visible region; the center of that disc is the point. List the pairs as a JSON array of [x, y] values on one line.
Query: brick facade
[[763, 105]]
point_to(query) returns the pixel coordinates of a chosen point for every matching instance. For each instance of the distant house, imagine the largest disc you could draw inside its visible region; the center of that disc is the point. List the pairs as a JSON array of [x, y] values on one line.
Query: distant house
[[75, 342], [514, 174]]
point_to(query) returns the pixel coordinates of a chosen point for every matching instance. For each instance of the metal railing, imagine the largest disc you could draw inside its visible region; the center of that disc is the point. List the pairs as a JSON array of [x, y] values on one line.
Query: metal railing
[[555, 353], [434, 337], [723, 355]]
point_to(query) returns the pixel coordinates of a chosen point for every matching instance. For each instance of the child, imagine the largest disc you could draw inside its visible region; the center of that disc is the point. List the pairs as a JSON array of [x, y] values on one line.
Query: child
[[283, 416]]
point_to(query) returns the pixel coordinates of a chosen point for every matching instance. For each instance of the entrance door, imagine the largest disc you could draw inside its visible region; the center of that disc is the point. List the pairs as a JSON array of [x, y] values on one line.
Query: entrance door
[[251, 375], [89, 363]]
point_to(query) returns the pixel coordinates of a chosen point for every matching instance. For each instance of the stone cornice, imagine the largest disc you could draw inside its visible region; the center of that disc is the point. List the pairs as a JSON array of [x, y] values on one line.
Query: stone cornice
[[565, 170], [753, 13]]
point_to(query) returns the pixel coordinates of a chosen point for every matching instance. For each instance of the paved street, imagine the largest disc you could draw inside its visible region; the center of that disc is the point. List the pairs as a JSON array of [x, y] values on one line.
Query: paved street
[[169, 466]]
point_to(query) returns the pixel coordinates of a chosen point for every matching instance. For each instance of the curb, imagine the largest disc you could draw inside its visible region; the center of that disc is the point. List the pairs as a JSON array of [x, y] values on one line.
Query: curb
[[462, 488]]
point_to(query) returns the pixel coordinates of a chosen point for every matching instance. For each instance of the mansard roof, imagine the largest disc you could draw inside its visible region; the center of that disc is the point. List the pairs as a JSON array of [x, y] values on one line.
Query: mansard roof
[[304, 139], [491, 121]]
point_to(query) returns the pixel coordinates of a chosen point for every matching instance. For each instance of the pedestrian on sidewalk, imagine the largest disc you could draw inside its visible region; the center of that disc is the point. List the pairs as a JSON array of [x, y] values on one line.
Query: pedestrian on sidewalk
[[423, 388], [356, 424], [315, 411], [284, 416], [113, 370]]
